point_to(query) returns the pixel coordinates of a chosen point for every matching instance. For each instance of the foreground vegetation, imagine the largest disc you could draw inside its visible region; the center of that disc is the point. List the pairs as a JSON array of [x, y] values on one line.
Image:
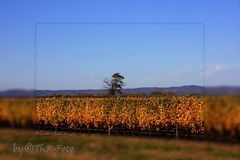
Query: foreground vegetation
[[131, 113], [211, 115], [115, 147]]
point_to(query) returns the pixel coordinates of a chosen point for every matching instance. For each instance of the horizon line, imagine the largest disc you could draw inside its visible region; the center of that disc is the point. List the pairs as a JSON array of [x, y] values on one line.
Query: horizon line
[[209, 86]]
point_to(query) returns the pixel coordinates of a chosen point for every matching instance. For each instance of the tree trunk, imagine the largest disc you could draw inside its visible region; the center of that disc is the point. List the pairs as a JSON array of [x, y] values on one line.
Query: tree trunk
[[109, 130], [176, 131]]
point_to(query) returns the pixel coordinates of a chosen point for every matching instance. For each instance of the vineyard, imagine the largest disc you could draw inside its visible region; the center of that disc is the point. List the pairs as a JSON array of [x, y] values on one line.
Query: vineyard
[[131, 113], [152, 114], [16, 112]]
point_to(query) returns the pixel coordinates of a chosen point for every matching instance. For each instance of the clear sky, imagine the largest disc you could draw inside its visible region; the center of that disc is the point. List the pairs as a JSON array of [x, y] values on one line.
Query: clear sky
[[167, 50]]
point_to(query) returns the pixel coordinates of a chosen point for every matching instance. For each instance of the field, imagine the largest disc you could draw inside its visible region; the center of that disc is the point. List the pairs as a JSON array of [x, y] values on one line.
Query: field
[[101, 147], [181, 115], [152, 114], [149, 125]]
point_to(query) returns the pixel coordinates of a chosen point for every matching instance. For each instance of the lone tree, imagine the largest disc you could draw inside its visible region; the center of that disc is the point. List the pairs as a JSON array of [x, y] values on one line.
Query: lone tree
[[114, 86]]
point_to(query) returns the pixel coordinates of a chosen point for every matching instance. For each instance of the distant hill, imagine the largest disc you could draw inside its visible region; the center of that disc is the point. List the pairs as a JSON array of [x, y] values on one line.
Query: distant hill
[[17, 93], [182, 90]]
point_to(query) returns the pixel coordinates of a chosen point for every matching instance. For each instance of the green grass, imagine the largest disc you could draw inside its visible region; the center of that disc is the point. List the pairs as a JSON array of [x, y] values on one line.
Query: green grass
[[113, 147]]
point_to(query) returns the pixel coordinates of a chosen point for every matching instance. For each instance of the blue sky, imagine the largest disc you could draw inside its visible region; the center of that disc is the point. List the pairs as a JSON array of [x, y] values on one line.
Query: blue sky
[[80, 56]]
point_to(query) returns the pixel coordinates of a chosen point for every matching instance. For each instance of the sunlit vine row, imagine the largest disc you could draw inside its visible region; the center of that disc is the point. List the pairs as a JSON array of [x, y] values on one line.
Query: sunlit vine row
[[211, 114], [142, 113]]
